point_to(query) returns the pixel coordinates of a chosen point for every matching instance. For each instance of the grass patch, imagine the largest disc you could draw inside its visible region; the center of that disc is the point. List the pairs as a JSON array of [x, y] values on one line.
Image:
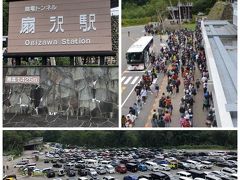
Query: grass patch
[[190, 26]]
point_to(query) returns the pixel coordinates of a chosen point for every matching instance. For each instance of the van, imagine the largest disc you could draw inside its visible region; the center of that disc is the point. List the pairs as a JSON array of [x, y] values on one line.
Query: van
[[69, 166], [152, 166], [31, 164], [104, 163], [159, 176], [195, 164], [207, 164], [91, 163], [196, 173], [20, 164], [228, 171], [132, 167], [184, 178], [184, 174], [234, 176]]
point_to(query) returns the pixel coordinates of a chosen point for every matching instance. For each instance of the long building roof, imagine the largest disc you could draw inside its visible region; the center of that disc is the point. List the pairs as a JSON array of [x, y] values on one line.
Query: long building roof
[[222, 38]]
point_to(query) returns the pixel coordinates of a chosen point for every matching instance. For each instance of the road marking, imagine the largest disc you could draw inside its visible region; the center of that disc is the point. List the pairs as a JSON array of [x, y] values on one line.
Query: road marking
[[129, 94], [123, 78], [128, 79], [134, 80]]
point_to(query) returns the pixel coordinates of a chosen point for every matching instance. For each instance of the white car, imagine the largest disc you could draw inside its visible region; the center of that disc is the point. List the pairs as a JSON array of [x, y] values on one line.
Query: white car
[[207, 164], [82, 178], [164, 167], [110, 169]]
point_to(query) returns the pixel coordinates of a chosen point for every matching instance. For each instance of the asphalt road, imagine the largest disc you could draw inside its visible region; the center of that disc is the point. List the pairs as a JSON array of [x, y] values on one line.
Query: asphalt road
[[131, 78]]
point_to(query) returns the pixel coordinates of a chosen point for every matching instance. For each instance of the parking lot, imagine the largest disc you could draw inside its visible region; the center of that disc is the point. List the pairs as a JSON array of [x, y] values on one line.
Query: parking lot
[[76, 156]]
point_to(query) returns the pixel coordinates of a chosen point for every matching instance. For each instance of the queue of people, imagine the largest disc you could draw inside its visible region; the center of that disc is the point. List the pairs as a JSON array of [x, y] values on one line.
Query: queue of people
[[178, 62]]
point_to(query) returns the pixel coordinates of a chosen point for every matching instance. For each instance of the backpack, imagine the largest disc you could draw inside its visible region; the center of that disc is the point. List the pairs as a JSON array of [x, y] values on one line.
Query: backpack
[[154, 116], [167, 119], [186, 124]]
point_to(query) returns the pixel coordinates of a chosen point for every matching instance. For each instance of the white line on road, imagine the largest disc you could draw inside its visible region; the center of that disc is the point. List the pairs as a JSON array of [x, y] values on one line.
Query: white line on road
[[128, 79], [123, 78], [129, 94], [134, 80]]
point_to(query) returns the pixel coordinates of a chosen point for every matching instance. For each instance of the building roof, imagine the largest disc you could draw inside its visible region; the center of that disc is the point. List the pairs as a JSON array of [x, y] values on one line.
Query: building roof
[[222, 38], [140, 44], [35, 141]]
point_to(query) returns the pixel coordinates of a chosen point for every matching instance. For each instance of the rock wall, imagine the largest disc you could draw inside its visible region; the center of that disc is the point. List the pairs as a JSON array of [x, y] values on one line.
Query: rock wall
[[67, 90]]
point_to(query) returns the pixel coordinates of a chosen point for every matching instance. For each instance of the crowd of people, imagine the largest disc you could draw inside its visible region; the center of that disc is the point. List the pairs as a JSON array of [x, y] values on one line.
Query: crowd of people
[[178, 62]]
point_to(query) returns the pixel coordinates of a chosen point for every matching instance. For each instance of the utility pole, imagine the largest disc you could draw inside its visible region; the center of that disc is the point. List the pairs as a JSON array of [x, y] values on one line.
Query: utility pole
[[179, 11]]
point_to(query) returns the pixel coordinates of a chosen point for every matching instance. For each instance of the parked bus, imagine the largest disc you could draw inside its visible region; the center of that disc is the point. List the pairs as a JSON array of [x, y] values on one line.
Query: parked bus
[[139, 53]]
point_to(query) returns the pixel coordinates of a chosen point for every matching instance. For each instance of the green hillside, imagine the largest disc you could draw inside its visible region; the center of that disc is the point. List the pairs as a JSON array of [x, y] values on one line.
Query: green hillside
[[143, 11]]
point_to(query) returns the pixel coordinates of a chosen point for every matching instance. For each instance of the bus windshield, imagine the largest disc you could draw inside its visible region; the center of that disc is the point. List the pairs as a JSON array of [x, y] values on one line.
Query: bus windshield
[[134, 58]]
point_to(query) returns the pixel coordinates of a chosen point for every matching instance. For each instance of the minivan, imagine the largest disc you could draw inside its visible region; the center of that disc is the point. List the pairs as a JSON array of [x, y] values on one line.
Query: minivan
[[211, 177], [159, 176], [132, 167], [196, 173], [195, 164], [184, 174], [152, 166], [207, 164]]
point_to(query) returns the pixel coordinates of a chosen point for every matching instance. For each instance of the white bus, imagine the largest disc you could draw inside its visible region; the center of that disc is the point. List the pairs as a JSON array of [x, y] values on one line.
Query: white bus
[[138, 55]]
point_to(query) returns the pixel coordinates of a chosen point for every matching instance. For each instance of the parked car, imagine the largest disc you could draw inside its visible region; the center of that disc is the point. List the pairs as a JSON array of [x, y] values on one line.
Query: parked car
[[82, 172], [130, 177], [183, 165], [227, 171], [70, 173], [82, 178], [164, 167], [142, 167], [46, 160], [101, 170], [108, 178], [121, 168], [132, 167], [159, 176], [57, 165], [61, 172], [110, 169], [196, 173], [50, 173], [91, 172]]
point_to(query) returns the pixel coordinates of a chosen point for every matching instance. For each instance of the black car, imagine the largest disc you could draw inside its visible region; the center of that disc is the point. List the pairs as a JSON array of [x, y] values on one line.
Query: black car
[[132, 167], [82, 172], [80, 166], [144, 176], [53, 161], [70, 173], [224, 164], [46, 161], [50, 173], [56, 165], [183, 165], [159, 176]]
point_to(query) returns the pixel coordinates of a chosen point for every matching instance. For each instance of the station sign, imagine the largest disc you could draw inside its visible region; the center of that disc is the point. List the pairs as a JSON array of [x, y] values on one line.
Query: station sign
[[22, 79], [59, 26]]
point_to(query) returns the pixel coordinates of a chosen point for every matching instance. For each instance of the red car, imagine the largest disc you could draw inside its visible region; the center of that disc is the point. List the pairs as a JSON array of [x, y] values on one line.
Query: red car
[[121, 168]]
